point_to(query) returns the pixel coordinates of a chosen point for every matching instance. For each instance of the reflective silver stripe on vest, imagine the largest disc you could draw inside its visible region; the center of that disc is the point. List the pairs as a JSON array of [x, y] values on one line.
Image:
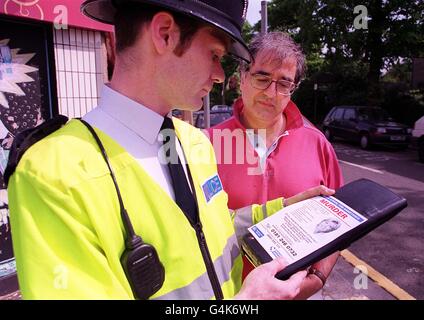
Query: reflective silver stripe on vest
[[242, 221], [264, 210], [201, 287]]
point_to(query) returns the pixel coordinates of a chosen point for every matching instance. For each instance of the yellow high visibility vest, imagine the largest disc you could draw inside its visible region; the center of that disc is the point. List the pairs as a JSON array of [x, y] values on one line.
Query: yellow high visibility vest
[[67, 231]]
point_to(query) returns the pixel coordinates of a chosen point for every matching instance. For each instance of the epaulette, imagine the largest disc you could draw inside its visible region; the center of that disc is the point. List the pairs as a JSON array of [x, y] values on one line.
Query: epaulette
[[25, 139]]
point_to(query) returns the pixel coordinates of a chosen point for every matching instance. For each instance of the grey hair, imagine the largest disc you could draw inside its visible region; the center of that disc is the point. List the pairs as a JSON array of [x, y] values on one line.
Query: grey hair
[[277, 46]]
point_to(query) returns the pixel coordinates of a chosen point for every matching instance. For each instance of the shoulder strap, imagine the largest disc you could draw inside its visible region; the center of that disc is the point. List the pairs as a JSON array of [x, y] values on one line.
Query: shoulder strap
[[25, 139], [132, 239]]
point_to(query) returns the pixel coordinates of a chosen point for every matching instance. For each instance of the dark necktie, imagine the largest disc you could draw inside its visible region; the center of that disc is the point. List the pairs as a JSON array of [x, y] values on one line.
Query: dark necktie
[[183, 195]]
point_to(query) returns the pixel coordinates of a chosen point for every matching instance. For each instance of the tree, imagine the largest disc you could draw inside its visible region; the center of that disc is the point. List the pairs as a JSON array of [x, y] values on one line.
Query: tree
[[223, 93], [326, 28]]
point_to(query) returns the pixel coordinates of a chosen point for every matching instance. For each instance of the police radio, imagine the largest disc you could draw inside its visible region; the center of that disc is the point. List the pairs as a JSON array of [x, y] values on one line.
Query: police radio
[[140, 261]]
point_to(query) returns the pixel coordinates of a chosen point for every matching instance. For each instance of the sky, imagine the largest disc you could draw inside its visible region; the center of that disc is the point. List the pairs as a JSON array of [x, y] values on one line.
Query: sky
[[253, 11]]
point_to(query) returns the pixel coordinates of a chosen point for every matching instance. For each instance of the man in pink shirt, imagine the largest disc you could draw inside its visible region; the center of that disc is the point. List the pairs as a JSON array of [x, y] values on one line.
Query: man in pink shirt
[[268, 149]]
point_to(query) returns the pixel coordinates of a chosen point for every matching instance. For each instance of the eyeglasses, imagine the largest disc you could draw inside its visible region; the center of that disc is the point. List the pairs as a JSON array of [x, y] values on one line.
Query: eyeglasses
[[262, 82]]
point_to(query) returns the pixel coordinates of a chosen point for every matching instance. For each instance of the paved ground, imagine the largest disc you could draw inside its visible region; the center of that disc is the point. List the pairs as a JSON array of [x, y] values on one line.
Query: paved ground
[[394, 249], [9, 288], [11, 296], [347, 283]]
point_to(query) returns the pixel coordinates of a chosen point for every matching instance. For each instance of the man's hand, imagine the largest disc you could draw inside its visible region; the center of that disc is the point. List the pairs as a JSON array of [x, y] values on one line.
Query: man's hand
[[312, 192], [261, 283], [312, 284]]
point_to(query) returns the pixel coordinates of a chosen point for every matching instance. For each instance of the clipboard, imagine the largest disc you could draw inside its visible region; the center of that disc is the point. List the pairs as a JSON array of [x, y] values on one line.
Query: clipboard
[[371, 200]]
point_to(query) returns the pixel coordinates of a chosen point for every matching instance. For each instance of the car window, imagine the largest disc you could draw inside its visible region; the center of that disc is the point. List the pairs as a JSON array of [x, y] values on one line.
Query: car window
[[349, 114], [330, 115], [177, 114], [221, 107], [217, 118], [363, 117], [338, 114], [375, 114], [199, 122]]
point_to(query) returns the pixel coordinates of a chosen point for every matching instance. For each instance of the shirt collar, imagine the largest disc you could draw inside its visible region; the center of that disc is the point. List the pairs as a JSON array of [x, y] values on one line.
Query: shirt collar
[[138, 118], [293, 116]]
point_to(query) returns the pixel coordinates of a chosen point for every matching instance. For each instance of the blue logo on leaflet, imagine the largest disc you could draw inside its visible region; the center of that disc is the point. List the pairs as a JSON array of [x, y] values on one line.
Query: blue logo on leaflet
[[257, 231], [276, 253], [212, 187]]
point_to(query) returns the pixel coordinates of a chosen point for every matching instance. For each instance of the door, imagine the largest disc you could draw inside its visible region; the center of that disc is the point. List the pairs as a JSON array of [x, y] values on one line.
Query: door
[[336, 123], [349, 125]]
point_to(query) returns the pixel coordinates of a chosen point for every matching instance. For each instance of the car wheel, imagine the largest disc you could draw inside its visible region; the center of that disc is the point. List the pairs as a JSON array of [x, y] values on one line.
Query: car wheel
[[421, 150], [365, 142], [328, 134]]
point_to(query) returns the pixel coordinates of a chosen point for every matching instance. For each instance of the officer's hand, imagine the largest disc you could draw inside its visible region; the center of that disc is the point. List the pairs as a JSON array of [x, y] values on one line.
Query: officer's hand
[[261, 283], [312, 283], [312, 192]]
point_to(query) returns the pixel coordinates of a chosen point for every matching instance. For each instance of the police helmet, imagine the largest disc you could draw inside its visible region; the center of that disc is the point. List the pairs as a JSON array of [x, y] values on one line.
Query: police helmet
[[226, 15]]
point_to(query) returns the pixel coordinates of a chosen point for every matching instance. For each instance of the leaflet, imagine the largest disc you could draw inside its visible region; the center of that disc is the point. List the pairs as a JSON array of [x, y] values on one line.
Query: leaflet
[[299, 229]]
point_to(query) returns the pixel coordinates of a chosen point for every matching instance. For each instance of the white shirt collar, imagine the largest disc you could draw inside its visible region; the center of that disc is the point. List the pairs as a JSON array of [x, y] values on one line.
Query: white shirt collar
[[138, 118]]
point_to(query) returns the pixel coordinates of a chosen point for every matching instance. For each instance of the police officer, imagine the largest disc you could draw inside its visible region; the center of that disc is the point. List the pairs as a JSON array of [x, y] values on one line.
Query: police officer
[[69, 227]]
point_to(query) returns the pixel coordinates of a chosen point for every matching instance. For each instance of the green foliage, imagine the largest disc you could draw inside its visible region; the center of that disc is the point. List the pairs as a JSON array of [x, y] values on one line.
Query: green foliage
[[405, 105], [346, 62], [399, 72], [230, 66]]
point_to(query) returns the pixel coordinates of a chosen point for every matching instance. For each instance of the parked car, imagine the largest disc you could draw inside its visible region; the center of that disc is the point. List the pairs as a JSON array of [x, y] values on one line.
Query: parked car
[[216, 116], [366, 125], [222, 107], [418, 137], [177, 114]]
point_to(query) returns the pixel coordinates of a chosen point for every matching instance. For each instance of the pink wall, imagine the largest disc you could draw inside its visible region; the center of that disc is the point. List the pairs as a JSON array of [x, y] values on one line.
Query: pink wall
[[51, 10]]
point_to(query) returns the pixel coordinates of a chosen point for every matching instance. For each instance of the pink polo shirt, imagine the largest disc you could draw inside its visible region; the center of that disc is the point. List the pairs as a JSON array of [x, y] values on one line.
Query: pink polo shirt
[[299, 159]]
